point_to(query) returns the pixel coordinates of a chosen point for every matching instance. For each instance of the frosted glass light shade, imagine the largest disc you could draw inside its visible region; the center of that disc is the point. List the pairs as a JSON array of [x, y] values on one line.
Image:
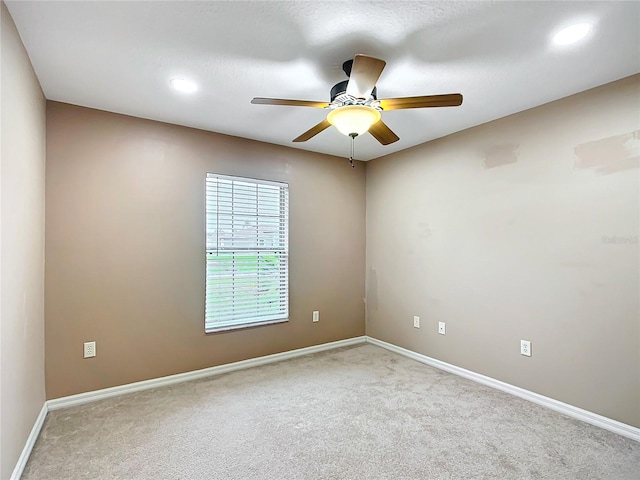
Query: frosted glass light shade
[[352, 119]]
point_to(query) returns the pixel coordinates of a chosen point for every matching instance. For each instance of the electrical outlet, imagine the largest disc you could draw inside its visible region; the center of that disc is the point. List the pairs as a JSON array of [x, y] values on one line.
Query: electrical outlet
[[416, 322], [89, 349], [316, 316], [525, 348], [442, 328]]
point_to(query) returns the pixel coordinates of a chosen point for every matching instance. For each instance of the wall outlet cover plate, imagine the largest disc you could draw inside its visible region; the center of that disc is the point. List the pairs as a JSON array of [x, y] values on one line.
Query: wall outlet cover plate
[[89, 349]]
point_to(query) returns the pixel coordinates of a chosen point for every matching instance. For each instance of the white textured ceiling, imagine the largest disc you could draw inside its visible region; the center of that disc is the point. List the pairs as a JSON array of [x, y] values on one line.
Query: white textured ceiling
[[120, 56]]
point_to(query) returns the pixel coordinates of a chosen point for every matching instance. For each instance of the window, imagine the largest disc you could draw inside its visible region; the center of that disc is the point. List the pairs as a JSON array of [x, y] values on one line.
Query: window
[[247, 225]]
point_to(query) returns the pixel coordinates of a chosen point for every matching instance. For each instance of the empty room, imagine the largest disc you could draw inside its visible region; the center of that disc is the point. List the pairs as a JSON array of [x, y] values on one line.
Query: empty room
[[319, 240]]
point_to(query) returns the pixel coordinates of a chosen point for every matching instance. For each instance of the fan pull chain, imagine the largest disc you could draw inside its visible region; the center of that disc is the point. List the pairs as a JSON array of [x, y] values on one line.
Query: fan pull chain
[[353, 137]]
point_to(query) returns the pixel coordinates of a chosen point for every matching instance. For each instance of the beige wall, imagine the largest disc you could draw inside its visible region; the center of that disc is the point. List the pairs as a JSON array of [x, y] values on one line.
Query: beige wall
[[501, 231], [22, 170], [125, 248]]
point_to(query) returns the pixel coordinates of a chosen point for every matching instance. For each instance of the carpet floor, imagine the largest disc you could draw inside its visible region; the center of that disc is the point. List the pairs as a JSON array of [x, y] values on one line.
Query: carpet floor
[[353, 413]]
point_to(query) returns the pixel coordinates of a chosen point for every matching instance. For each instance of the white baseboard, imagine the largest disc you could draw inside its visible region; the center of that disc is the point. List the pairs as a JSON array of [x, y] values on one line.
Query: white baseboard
[[31, 440], [79, 399], [96, 395], [561, 407], [72, 400]]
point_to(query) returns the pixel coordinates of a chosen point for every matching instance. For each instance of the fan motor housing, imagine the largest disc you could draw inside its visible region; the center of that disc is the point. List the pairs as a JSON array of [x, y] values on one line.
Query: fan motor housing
[[341, 87]]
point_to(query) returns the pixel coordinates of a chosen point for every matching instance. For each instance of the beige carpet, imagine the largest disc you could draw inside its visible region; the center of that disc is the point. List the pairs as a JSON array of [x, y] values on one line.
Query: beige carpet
[[353, 413]]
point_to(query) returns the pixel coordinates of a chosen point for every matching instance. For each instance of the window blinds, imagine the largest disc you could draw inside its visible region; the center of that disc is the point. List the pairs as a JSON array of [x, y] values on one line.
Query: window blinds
[[247, 251]]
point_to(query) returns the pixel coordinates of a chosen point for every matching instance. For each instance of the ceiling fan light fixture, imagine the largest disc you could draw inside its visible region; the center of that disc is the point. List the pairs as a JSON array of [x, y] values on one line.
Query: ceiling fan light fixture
[[352, 119]]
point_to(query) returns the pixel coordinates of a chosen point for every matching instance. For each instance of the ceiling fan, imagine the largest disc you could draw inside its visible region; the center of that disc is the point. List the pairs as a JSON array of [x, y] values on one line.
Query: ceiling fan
[[354, 106]]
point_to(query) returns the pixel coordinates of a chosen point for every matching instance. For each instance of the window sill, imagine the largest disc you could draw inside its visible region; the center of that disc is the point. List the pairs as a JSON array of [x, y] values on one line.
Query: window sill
[[241, 326]]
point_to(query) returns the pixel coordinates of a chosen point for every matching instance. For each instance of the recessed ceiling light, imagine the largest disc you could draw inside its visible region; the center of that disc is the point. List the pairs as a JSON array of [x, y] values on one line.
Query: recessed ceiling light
[[183, 85], [572, 34]]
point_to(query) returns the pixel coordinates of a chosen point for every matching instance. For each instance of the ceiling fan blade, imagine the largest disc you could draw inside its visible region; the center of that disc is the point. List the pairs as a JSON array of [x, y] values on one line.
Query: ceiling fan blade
[[313, 131], [449, 100], [364, 75], [382, 133], [293, 103]]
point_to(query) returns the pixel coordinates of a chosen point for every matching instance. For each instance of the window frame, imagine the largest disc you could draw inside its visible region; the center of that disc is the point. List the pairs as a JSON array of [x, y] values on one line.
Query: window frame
[[278, 237]]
